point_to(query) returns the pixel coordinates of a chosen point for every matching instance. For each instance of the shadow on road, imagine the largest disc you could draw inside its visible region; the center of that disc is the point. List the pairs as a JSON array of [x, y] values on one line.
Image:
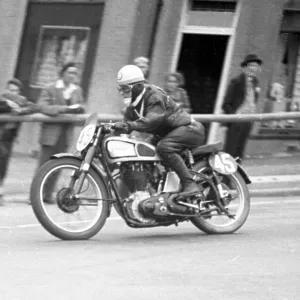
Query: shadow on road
[[149, 239]]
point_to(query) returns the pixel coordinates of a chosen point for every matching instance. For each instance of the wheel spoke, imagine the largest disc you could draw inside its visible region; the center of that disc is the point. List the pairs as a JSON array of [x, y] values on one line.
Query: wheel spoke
[[67, 214], [234, 204]]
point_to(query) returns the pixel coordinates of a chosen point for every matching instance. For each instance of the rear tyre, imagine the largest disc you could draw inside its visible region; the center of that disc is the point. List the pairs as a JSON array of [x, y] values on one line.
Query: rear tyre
[[239, 205]]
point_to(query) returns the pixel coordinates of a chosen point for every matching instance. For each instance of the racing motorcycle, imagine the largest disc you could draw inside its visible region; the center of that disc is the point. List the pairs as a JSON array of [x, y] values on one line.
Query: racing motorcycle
[[125, 172]]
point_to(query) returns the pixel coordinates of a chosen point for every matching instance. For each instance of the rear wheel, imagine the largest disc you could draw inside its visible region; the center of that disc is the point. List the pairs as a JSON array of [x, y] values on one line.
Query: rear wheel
[[64, 218], [237, 203]]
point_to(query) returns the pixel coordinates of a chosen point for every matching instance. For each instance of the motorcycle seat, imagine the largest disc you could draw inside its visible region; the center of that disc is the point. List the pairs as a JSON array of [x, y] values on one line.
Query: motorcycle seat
[[210, 148]]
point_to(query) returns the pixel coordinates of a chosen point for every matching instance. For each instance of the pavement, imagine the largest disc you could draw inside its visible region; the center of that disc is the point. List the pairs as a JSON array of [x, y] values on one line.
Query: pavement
[[274, 175], [271, 175]]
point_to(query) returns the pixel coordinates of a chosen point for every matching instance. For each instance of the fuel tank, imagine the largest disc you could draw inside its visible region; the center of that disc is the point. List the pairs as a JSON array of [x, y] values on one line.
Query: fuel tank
[[124, 148]]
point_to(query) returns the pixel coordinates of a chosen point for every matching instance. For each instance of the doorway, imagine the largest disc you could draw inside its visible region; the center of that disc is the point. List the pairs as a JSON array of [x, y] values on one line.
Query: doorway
[[201, 62]]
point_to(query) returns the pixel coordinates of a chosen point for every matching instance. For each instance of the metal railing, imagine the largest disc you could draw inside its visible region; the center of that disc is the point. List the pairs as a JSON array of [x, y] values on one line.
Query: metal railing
[[205, 118]]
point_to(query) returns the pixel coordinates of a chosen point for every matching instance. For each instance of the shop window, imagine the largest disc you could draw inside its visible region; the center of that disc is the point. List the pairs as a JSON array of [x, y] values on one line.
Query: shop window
[[211, 13], [284, 90], [291, 5], [287, 72], [58, 45], [294, 67]]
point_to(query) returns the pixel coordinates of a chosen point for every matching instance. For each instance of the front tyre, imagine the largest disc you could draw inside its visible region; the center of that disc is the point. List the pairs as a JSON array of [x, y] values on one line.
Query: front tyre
[[64, 219], [237, 204]]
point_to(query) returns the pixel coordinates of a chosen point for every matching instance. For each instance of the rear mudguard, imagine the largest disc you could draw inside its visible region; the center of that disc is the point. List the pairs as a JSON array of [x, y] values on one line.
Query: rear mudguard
[[240, 170], [244, 174]]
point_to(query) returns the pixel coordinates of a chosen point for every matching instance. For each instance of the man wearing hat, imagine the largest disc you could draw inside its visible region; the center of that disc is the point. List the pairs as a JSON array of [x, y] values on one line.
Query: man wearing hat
[[241, 98]]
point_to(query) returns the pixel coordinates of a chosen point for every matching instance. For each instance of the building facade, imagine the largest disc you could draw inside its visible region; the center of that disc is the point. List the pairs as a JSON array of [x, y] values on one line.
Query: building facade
[[205, 40]]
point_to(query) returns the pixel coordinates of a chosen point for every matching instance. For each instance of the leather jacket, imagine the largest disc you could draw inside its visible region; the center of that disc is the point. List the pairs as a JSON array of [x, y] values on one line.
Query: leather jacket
[[156, 113]]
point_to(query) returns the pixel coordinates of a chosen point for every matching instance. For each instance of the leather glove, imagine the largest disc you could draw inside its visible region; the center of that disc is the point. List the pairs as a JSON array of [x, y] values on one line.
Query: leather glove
[[121, 126]]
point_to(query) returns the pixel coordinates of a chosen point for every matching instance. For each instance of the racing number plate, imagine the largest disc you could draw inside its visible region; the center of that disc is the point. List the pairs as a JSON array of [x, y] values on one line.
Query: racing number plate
[[223, 163]]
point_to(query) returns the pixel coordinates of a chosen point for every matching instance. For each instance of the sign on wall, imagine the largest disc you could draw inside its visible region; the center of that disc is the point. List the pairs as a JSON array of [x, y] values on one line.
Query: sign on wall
[[58, 45]]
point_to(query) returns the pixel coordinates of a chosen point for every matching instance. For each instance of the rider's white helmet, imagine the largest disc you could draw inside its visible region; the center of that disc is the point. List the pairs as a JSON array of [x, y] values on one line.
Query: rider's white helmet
[[130, 74]]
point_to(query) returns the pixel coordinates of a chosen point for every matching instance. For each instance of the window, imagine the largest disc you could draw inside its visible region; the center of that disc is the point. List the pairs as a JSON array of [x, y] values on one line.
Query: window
[[209, 5], [284, 89]]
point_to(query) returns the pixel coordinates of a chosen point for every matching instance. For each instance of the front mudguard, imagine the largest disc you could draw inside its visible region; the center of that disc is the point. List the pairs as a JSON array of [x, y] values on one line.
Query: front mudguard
[[97, 168]]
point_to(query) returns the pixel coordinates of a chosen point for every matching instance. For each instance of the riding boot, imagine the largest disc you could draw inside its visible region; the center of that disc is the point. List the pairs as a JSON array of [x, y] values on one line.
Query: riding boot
[[189, 186]]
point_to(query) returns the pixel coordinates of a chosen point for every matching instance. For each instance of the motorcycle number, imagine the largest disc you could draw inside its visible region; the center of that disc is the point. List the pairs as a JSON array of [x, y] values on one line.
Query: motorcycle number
[[86, 135], [223, 163]]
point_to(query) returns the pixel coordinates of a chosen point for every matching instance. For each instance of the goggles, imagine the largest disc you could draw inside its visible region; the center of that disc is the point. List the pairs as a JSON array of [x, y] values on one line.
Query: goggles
[[125, 88]]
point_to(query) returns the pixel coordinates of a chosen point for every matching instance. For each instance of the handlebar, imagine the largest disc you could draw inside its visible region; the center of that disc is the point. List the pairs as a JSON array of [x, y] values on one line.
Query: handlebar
[[108, 127]]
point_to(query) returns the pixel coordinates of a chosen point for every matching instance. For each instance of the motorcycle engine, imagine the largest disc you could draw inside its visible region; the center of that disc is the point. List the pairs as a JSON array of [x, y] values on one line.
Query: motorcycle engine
[[145, 203], [140, 179], [136, 175]]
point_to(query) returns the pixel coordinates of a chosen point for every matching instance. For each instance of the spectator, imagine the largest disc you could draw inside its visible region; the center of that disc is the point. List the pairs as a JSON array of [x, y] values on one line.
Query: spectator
[[173, 87], [241, 98], [11, 101], [63, 96], [143, 63]]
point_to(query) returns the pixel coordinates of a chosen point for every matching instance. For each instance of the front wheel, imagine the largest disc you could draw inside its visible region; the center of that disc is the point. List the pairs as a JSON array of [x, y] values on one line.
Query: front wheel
[[50, 198], [237, 204]]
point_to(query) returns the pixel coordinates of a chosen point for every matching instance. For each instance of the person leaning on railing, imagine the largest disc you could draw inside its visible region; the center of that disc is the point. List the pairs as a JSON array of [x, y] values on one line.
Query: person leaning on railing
[[61, 97], [173, 87], [11, 101]]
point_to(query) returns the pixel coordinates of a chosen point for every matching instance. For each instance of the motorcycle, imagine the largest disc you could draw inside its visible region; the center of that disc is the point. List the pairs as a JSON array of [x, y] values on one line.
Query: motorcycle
[[117, 170]]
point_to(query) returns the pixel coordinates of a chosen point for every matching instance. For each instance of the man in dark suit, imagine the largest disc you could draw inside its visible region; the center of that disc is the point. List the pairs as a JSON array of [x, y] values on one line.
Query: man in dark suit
[[241, 98]]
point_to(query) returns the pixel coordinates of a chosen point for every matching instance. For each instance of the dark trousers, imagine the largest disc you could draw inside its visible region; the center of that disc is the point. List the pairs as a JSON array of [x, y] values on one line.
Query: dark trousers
[[47, 151], [45, 154], [7, 137], [236, 139], [179, 139]]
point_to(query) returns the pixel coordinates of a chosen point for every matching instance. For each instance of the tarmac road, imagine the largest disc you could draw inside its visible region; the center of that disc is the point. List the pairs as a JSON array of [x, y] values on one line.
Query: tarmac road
[[260, 261]]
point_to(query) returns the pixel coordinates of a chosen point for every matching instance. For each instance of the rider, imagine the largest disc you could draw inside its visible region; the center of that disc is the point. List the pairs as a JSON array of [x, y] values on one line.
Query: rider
[[150, 109]]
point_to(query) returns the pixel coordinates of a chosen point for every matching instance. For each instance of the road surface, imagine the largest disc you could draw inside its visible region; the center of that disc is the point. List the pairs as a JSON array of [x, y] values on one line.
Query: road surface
[[260, 261]]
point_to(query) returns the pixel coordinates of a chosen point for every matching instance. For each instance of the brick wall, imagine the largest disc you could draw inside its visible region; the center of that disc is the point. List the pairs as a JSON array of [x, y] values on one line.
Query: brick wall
[[114, 51], [258, 32], [12, 13], [165, 40], [145, 17]]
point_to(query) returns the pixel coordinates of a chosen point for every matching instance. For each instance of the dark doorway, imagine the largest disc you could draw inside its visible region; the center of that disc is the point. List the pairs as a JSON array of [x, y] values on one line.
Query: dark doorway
[[201, 61], [60, 16]]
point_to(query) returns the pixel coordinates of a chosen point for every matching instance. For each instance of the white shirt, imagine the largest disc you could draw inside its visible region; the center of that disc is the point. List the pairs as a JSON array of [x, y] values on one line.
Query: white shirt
[[67, 91], [137, 101]]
